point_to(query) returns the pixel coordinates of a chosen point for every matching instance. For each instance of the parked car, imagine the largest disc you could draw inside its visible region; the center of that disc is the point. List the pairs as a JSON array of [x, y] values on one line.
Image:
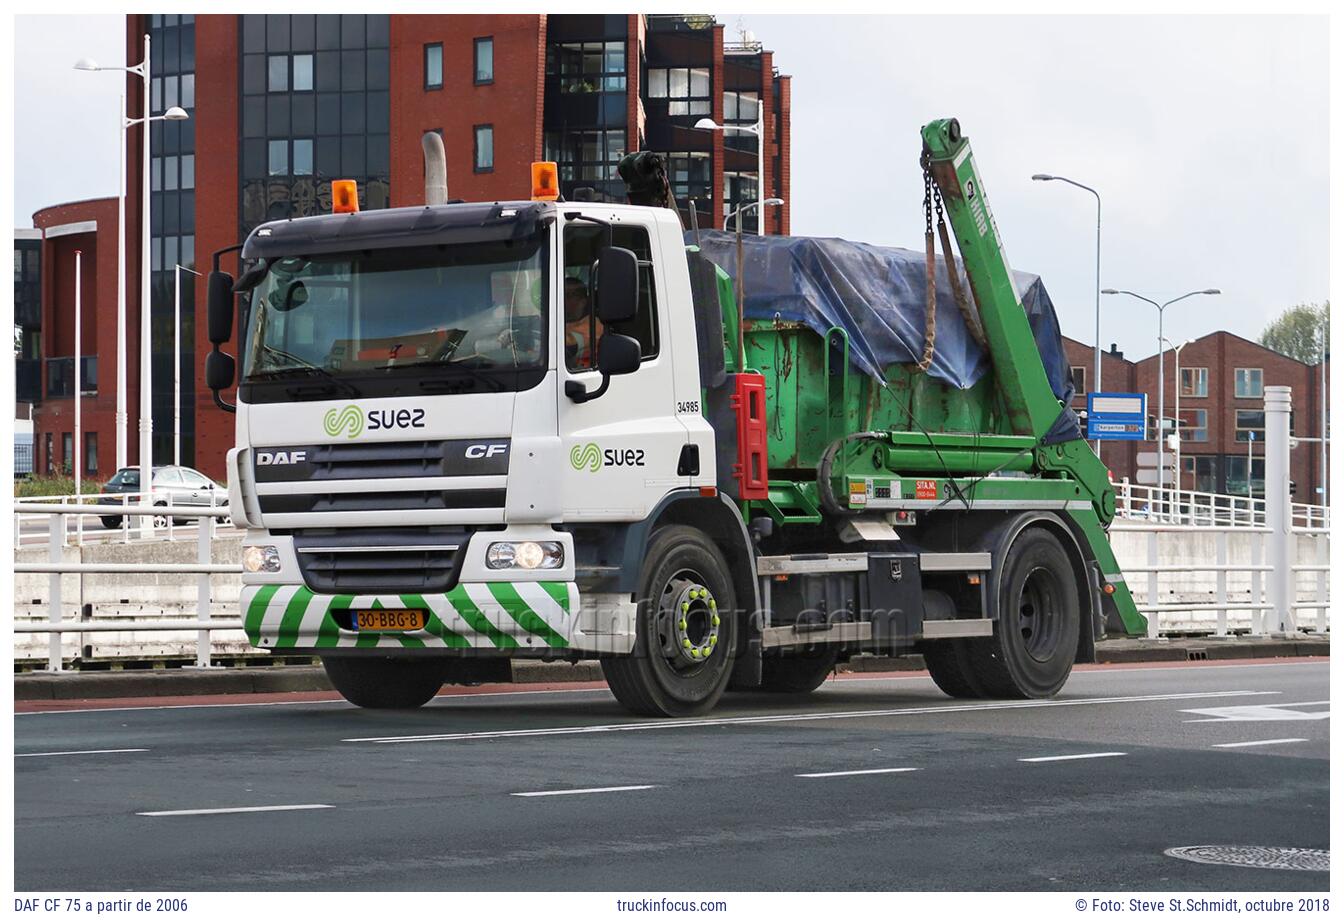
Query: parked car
[[173, 485]]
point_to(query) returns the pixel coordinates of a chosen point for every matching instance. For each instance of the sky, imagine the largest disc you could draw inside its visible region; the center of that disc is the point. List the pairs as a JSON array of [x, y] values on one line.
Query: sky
[[1207, 138]]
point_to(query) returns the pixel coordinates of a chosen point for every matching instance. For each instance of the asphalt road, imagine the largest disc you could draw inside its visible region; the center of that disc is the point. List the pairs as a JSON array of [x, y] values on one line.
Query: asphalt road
[[877, 783]]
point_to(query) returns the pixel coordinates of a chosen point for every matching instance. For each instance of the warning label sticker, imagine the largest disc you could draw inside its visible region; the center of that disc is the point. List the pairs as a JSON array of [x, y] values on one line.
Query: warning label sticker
[[926, 488], [858, 493]]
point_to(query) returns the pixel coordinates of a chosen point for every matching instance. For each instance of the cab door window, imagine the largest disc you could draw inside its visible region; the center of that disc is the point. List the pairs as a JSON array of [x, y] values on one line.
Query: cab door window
[[582, 329]]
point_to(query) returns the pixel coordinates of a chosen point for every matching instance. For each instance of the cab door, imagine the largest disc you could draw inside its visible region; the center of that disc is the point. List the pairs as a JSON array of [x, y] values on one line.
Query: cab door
[[621, 450]]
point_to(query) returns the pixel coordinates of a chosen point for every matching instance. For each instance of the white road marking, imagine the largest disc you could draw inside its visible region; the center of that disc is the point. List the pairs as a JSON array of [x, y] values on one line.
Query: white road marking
[[1283, 712], [530, 795], [799, 717], [228, 811], [858, 772], [1232, 744], [1072, 757], [70, 753]]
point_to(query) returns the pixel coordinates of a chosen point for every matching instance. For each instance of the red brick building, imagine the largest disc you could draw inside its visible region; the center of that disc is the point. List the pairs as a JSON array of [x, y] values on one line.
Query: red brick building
[[89, 229], [1221, 384], [282, 104]]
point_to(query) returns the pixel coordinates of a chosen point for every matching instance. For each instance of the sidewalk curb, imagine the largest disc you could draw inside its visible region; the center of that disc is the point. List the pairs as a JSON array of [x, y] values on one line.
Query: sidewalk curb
[[76, 685]]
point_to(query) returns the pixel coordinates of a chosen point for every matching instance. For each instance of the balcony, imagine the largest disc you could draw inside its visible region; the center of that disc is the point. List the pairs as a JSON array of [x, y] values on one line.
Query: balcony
[[61, 377]]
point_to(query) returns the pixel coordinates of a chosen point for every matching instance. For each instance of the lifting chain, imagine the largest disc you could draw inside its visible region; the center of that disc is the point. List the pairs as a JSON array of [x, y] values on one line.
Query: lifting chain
[[933, 201]]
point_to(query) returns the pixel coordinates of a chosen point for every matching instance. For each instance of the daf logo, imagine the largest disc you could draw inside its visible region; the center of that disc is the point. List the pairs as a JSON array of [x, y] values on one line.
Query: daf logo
[[484, 451], [281, 457]]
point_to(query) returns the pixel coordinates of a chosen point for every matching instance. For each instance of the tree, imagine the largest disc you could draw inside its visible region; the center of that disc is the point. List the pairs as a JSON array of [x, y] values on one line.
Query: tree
[[1297, 332]]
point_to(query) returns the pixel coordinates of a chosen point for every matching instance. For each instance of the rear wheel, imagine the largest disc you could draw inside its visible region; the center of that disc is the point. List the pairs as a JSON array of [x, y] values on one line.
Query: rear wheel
[[111, 522], [1035, 638], [798, 673], [386, 683], [685, 630]]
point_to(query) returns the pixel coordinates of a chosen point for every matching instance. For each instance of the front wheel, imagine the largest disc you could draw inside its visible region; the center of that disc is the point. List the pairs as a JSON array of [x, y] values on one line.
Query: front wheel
[[685, 629], [386, 683]]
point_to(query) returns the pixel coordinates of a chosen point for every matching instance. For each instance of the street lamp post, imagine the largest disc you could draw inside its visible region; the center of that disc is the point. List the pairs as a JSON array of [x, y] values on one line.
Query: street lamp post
[[741, 312], [1177, 432], [758, 129], [177, 360], [1161, 373], [750, 206], [174, 113], [1096, 347]]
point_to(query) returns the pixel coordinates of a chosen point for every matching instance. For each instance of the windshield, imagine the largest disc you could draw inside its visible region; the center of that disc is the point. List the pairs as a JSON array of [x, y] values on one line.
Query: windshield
[[465, 308]]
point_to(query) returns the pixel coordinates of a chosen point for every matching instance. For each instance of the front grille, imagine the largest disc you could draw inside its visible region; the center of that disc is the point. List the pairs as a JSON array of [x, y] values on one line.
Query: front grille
[[454, 499], [380, 560], [382, 460]]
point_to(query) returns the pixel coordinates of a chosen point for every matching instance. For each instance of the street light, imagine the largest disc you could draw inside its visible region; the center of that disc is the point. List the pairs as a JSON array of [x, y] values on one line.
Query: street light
[[1177, 432], [751, 205], [1096, 348], [177, 360], [1161, 373], [175, 113], [758, 129]]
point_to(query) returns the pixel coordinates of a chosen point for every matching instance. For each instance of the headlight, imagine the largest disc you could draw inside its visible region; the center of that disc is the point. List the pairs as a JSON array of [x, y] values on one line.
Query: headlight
[[527, 554], [261, 559]]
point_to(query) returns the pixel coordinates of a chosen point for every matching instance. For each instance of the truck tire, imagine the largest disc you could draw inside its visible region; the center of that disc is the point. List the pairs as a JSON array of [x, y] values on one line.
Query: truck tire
[[798, 673], [1035, 637], [385, 683], [682, 657], [111, 522]]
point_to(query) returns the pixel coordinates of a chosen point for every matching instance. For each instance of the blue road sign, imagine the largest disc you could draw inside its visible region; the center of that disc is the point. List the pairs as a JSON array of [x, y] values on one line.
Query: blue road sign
[[1117, 416]]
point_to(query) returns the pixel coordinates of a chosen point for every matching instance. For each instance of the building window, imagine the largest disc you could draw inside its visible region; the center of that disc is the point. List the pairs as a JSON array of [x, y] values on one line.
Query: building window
[[1250, 383], [91, 453], [67, 453], [303, 73], [434, 66], [1079, 375], [1236, 476], [1194, 425], [277, 73], [588, 67], [303, 156], [686, 89], [51, 455], [586, 155], [485, 148], [1204, 471], [277, 158], [741, 108], [485, 60], [1250, 421], [1195, 381]]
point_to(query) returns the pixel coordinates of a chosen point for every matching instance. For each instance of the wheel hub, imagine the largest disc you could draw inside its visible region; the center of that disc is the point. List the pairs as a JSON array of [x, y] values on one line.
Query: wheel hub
[[688, 622]]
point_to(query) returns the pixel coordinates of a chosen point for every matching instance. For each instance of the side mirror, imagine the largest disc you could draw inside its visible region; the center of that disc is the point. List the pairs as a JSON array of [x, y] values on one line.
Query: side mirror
[[617, 285], [219, 308], [219, 370], [617, 354]]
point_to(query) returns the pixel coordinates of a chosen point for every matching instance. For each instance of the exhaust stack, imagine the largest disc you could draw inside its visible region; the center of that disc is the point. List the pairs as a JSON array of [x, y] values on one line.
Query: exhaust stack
[[436, 169]]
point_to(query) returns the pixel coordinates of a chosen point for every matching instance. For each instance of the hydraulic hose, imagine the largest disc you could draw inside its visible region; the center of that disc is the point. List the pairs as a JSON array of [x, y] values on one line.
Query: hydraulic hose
[[828, 502]]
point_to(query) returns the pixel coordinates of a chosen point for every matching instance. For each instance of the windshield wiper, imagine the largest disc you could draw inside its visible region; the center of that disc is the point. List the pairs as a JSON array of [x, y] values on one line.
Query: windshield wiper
[[306, 369]]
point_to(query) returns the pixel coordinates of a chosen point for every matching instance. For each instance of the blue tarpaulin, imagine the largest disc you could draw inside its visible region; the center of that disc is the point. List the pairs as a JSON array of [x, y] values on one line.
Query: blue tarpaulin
[[877, 295]]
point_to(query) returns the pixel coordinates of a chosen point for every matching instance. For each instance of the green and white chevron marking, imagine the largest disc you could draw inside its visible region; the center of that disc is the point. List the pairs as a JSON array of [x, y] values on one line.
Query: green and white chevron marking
[[487, 615]]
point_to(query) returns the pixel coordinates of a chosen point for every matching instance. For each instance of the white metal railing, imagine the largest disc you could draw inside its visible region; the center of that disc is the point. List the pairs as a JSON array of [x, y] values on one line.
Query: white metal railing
[[1206, 509], [163, 524], [56, 625]]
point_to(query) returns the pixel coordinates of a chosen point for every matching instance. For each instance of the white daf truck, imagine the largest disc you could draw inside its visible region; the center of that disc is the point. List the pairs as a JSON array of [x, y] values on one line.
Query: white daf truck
[[439, 470]]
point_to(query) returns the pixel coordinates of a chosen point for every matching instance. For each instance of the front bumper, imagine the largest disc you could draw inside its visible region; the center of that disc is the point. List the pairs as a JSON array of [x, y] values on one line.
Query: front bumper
[[534, 617]]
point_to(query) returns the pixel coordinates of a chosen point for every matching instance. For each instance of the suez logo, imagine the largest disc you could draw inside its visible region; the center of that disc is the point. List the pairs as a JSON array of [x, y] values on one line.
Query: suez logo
[[592, 458], [351, 422]]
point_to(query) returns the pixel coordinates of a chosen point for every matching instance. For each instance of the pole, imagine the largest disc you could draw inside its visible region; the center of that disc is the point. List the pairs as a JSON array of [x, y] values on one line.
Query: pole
[[121, 291], [177, 365], [1325, 416], [741, 342], [1161, 408], [146, 372], [79, 382], [1096, 347], [1278, 510], [760, 172]]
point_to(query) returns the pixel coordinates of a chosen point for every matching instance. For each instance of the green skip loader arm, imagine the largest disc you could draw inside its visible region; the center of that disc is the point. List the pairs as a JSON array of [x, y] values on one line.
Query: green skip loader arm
[[1031, 405]]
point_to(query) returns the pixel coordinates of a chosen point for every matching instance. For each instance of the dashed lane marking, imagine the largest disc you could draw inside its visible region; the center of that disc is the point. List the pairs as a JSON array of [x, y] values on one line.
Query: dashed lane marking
[[1237, 744], [1057, 757], [548, 792], [228, 811], [858, 772], [799, 717]]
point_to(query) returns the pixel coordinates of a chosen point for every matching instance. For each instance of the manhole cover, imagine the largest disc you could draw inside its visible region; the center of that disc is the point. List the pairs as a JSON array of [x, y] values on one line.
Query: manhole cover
[[1296, 858]]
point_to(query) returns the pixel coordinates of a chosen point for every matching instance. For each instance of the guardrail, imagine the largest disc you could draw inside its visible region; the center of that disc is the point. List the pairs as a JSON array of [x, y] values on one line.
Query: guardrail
[[1146, 583], [56, 566], [162, 526], [1206, 509]]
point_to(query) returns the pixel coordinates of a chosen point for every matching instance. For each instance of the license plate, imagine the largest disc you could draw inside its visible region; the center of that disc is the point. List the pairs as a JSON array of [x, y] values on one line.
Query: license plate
[[389, 620]]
